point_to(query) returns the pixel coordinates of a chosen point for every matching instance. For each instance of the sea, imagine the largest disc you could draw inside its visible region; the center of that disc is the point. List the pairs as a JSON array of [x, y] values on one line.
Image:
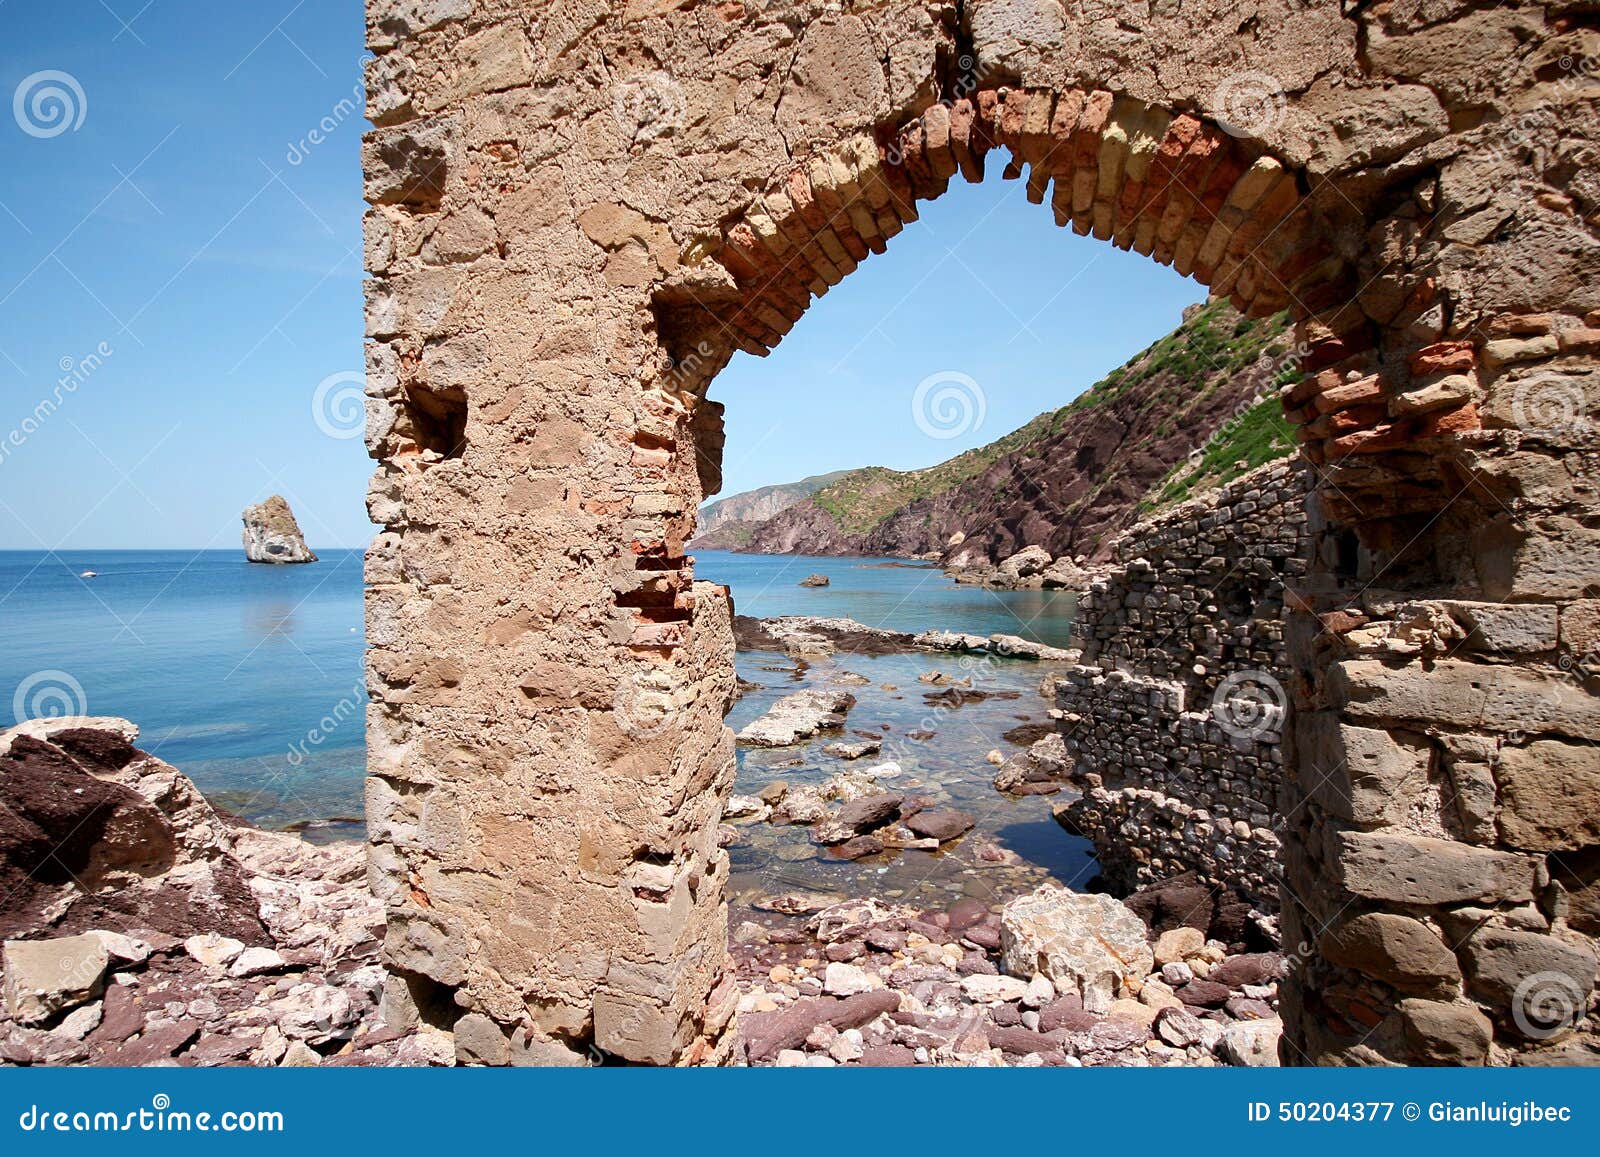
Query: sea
[[249, 679]]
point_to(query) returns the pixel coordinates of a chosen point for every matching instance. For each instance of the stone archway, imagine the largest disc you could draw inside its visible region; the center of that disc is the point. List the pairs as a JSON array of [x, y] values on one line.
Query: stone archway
[[581, 211]]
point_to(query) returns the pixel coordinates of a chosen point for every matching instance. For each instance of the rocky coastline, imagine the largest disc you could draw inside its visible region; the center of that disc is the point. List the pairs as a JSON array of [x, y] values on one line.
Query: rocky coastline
[[143, 926]]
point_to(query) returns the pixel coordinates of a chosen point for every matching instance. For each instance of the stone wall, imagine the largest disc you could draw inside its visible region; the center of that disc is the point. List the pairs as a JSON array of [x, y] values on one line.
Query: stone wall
[[579, 211], [1174, 719]]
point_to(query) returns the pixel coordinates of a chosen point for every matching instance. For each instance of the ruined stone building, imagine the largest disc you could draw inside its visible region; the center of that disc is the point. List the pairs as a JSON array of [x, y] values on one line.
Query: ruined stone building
[[581, 208]]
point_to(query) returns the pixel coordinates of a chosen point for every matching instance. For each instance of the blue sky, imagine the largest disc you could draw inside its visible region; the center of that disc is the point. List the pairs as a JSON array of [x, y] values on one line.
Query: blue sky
[[192, 264]]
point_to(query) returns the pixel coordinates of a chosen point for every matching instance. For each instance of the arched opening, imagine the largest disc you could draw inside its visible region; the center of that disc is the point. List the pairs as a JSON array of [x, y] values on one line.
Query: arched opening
[[551, 678]]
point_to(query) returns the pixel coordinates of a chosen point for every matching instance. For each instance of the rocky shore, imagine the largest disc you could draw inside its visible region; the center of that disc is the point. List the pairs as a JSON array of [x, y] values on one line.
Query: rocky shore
[[1051, 977], [821, 635], [144, 927], [1031, 568]]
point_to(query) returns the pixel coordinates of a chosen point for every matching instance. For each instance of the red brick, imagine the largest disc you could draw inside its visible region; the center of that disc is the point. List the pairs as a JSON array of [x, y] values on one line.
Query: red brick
[[1358, 393], [1444, 357], [1520, 325]]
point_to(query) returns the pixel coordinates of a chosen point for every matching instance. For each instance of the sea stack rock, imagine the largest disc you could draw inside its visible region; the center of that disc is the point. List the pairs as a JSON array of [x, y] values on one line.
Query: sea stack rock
[[272, 535]]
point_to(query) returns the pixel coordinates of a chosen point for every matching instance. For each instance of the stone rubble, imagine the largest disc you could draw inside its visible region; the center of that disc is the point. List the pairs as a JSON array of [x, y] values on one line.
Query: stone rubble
[[112, 966], [867, 983]]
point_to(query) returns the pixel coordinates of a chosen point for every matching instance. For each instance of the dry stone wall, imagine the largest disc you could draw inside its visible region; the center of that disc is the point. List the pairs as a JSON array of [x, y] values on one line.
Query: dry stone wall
[[580, 210], [1174, 720]]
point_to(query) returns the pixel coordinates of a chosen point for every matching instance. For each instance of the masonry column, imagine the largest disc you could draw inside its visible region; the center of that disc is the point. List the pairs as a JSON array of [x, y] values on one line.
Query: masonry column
[[1442, 877], [547, 758]]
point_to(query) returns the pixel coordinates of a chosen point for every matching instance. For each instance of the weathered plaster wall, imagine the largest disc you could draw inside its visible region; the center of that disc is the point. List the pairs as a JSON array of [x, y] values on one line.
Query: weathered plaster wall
[[581, 208]]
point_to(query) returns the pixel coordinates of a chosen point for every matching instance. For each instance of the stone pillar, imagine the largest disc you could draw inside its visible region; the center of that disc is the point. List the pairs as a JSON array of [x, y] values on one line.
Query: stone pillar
[[1442, 880]]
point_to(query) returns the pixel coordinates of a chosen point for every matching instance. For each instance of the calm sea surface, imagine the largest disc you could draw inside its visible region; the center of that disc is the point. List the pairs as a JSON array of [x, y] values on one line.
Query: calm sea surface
[[228, 667]]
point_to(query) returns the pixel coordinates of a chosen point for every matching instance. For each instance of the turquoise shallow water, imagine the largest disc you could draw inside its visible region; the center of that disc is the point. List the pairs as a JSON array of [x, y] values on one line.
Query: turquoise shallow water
[[229, 668]]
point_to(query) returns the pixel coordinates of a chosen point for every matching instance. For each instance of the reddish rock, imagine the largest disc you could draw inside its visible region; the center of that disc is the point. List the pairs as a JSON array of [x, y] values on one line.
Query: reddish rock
[[1204, 994], [943, 824]]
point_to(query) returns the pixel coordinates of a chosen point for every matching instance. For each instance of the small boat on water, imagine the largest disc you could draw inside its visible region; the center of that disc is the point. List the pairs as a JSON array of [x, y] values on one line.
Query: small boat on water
[[90, 574]]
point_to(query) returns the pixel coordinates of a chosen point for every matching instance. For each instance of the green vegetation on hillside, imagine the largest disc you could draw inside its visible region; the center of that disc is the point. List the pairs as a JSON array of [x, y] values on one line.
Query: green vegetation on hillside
[[1176, 380], [1253, 439], [863, 498]]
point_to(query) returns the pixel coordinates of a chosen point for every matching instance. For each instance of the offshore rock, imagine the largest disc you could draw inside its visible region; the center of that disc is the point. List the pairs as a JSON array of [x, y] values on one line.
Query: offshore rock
[[272, 535]]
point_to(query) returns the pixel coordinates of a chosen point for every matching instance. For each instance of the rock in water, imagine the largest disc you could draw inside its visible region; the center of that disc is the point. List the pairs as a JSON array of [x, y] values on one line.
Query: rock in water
[[272, 535], [814, 580]]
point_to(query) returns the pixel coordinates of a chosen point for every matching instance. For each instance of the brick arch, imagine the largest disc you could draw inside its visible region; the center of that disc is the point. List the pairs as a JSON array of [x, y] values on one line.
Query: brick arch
[[1174, 188], [547, 757]]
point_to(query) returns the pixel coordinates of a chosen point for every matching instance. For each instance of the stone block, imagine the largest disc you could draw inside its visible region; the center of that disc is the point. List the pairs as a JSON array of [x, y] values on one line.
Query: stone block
[[1463, 694], [45, 977], [1549, 795], [1397, 950], [1366, 775], [1507, 628], [1541, 983], [1406, 869], [1445, 1034], [479, 1041], [634, 1029]]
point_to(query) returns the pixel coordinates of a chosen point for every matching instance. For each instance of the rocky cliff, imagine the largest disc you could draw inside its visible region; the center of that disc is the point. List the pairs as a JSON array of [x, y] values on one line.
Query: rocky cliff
[[727, 523], [272, 535], [1195, 409]]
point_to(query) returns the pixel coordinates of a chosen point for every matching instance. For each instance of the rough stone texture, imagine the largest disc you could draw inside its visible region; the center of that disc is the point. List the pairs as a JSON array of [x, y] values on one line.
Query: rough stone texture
[[1174, 718], [272, 535], [43, 977], [580, 211], [1092, 945], [221, 944]]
